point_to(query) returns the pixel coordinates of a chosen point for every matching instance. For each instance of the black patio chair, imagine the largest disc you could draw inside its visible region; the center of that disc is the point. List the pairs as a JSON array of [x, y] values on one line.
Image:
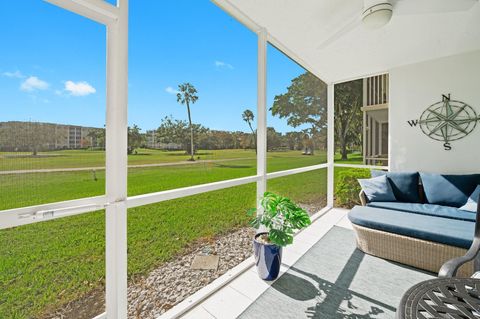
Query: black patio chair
[[450, 268]]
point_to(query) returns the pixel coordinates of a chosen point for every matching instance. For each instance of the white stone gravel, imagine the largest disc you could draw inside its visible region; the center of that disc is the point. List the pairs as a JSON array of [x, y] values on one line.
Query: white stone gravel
[[174, 281]]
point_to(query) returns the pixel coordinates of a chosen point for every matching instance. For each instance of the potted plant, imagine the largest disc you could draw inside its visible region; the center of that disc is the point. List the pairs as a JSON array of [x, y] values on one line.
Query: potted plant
[[280, 219]]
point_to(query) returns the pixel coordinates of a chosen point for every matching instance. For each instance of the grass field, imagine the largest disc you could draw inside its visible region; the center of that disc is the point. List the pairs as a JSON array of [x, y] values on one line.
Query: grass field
[[88, 158], [44, 265], [18, 190], [47, 264]]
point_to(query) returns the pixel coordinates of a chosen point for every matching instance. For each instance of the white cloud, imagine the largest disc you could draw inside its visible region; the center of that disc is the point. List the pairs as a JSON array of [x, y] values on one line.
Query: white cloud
[[171, 90], [33, 83], [79, 88], [223, 65], [16, 74]]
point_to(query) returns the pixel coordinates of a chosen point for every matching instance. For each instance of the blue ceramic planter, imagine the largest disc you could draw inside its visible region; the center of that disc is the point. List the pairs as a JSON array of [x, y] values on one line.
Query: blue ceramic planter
[[268, 259]]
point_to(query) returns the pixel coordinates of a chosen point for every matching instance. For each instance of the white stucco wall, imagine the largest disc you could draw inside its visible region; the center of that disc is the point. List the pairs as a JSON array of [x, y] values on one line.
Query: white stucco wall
[[415, 87]]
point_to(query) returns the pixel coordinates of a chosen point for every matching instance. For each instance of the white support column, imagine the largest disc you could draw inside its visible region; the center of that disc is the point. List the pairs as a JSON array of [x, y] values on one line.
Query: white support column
[[365, 92], [387, 82], [371, 100], [116, 261], [380, 144], [330, 144], [262, 114], [364, 150], [369, 146], [384, 90], [374, 138], [364, 115], [116, 165], [389, 137]]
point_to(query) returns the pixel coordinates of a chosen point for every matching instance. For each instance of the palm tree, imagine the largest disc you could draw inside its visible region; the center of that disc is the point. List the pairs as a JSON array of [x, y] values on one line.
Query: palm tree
[[248, 117], [186, 95]]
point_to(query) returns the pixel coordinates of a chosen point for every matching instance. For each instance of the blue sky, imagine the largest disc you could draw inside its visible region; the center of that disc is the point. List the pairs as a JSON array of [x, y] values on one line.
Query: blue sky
[[52, 65]]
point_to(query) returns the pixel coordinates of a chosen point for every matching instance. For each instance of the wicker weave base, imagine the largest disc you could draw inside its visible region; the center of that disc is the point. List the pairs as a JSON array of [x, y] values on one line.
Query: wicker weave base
[[410, 251]]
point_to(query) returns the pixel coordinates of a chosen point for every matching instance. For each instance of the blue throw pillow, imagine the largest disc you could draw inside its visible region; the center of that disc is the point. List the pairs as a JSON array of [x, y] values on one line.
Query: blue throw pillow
[[472, 201], [449, 190], [377, 189], [404, 185]]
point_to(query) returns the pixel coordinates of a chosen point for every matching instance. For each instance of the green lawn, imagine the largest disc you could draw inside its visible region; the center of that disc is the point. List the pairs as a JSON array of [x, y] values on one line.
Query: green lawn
[[47, 264], [88, 158], [353, 158], [19, 190]]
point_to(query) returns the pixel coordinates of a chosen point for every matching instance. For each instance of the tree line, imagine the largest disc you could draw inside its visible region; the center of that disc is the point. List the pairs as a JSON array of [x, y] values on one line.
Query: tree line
[[179, 132], [303, 106]]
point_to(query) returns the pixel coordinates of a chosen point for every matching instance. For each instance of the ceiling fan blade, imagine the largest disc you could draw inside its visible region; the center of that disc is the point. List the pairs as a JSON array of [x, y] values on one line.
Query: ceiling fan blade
[[340, 32], [410, 7]]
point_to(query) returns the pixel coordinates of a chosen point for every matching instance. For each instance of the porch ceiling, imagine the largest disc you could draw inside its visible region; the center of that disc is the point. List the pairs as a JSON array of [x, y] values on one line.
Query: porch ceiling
[[315, 31]]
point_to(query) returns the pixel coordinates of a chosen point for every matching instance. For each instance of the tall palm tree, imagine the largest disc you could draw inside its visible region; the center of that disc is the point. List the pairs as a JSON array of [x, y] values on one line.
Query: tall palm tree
[[188, 94], [248, 117]]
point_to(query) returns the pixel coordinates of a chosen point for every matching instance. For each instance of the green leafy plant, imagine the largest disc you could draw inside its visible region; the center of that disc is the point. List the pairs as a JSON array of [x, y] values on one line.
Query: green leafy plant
[[281, 217], [347, 187]]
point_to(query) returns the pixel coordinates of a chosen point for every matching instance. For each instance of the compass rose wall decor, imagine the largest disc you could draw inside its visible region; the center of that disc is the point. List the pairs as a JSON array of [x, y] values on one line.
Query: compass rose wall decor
[[447, 121]]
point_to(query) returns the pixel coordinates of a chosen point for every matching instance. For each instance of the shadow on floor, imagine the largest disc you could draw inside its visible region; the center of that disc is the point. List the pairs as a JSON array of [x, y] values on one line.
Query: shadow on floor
[[334, 279], [330, 296]]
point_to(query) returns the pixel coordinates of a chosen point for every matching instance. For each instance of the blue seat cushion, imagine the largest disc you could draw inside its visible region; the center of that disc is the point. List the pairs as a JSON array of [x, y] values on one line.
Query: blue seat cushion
[[427, 209], [377, 189], [458, 233], [449, 190], [404, 185]]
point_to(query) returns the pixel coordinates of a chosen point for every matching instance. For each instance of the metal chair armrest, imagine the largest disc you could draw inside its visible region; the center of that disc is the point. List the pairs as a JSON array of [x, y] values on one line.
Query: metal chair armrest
[[450, 268]]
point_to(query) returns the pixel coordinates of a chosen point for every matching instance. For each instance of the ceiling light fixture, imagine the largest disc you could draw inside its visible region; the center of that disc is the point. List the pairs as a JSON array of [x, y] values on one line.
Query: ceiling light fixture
[[376, 13]]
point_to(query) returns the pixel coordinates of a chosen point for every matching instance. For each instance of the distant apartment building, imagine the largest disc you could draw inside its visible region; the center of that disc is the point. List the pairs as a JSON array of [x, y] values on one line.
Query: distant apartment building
[[75, 137], [29, 136]]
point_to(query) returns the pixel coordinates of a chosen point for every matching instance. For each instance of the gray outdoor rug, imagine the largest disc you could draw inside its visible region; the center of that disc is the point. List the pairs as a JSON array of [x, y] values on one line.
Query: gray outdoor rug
[[336, 280]]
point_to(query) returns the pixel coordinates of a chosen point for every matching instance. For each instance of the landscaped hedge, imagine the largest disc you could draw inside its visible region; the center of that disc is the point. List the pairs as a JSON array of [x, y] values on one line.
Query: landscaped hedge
[[347, 187]]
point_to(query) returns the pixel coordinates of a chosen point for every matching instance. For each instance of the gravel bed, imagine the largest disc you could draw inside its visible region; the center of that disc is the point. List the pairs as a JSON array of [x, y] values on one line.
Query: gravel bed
[[313, 208], [169, 284]]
